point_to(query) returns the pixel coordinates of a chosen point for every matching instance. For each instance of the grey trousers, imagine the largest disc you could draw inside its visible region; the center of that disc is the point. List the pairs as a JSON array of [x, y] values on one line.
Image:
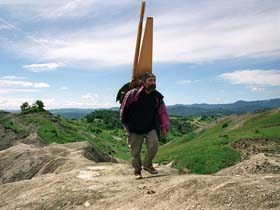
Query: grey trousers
[[136, 141]]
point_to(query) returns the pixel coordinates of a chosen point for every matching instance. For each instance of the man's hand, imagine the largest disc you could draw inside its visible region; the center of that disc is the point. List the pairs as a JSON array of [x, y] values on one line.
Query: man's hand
[[164, 133]]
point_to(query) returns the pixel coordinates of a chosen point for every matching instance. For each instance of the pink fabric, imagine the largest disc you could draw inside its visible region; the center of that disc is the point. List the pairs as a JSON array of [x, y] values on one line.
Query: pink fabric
[[163, 118]]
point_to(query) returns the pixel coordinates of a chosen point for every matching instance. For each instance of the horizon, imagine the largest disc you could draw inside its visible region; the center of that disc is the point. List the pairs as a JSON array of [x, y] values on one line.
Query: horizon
[[98, 108], [77, 54]]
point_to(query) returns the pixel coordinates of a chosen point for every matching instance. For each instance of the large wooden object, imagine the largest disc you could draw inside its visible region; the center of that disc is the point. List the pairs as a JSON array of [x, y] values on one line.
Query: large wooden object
[[143, 59], [145, 63]]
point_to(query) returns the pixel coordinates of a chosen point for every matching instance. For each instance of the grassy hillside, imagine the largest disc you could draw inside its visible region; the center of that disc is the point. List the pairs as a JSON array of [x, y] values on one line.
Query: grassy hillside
[[201, 144], [208, 150], [54, 129], [102, 128]]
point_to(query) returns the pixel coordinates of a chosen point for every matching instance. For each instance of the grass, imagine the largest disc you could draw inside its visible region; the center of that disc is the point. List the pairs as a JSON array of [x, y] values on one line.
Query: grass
[[203, 152], [49, 133], [111, 142], [210, 150], [12, 125]]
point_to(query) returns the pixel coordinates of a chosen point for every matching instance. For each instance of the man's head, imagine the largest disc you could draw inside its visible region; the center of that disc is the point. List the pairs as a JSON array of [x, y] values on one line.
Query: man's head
[[149, 82]]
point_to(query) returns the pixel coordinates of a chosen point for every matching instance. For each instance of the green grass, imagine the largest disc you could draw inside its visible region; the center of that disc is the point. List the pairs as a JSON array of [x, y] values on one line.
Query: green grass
[[210, 150], [49, 133], [103, 139], [55, 130], [12, 125], [203, 152], [52, 129], [116, 147]]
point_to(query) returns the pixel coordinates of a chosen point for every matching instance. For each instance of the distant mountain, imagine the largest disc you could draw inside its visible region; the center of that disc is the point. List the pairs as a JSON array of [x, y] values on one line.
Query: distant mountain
[[71, 113], [238, 107]]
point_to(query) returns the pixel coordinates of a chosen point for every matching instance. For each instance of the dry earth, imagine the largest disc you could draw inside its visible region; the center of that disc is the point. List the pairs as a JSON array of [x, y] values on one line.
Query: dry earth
[[60, 177]]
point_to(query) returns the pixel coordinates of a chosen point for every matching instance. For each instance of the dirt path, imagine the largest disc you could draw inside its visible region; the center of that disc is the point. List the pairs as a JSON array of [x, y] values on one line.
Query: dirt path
[[78, 183], [111, 186]]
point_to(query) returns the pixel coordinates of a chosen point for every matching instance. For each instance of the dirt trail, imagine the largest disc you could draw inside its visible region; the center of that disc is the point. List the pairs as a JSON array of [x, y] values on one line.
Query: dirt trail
[[261, 156], [25, 161], [78, 183]]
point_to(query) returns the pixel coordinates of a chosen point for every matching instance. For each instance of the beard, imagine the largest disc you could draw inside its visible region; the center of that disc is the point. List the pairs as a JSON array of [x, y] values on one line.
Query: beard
[[150, 88]]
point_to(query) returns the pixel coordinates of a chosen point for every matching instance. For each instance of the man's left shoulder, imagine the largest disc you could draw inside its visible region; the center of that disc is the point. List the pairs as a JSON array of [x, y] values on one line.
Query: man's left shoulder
[[158, 95]]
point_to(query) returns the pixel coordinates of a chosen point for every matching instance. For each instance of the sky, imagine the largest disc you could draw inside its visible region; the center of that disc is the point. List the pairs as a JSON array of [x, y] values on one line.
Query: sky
[[78, 53]]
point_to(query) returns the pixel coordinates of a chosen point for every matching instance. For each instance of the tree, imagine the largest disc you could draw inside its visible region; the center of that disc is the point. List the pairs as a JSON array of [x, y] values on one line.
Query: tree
[[40, 105], [24, 107]]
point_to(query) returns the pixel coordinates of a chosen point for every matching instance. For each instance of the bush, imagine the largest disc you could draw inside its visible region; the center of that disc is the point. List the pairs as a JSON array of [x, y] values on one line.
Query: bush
[[225, 125], [38, 106], [104, 119]]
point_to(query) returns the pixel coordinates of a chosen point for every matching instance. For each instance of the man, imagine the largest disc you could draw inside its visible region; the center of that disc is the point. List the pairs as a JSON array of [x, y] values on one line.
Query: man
[[143, 115]]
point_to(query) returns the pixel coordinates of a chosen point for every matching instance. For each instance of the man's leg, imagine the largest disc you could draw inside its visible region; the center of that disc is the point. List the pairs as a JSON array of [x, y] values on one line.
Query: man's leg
[[136, 144], [152, 148]]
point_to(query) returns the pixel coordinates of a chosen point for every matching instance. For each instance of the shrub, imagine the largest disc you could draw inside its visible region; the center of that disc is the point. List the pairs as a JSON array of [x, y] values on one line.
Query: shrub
[[38, 106], [225, 125]]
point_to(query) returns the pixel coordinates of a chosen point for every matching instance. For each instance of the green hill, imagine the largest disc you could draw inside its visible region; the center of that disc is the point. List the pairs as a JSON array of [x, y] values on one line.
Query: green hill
[[203, 145], [102, 128], [54, 129], [208, 150]]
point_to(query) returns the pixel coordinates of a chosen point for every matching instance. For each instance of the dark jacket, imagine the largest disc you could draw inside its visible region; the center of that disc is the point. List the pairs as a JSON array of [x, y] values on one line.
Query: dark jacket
[[141, 112]]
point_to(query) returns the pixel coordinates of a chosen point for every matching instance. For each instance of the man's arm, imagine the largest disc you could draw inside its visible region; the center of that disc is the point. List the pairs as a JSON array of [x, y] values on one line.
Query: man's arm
[[163, 118], [130, 97]]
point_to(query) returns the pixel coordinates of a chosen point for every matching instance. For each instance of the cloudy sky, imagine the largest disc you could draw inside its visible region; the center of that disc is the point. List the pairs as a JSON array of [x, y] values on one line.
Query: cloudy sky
[[78, 53]]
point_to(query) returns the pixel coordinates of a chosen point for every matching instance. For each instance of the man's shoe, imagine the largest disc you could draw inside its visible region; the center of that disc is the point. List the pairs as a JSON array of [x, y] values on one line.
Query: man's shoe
[[138, 176], [151, 170]]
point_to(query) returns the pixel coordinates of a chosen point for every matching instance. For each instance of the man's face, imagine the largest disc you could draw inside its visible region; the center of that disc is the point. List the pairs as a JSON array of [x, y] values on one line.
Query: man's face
[[150, 84]]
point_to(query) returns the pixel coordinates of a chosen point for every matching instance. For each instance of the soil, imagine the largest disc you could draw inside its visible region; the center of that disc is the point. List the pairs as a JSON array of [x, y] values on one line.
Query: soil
[[61, 177]]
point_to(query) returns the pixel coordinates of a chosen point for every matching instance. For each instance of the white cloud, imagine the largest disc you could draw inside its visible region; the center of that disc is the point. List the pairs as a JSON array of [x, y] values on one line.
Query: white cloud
[[218, 99], [67, 9], [257, 89], [76, 8], [41, 85], [216, 33], [90, 96], [4, 25], [64, 88], [14, 103], [53, 103], [42, 67], [183, 82], [90, 48], [17, 90], [193, 32], [12, 78], [253, 77], [63, 9], [15, 84], [48, 101], [25, 84]]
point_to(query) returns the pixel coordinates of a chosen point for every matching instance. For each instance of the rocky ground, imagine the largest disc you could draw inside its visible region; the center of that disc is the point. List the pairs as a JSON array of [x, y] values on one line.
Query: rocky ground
[[61, 177]]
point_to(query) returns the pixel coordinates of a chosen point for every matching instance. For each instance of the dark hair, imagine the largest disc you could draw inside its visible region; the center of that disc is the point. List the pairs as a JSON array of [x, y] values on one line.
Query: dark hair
[[147, 75]]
